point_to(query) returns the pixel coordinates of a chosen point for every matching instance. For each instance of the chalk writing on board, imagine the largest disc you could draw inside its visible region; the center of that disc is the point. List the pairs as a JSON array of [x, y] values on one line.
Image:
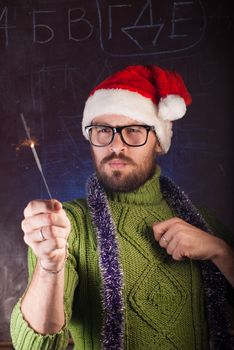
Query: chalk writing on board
[[4, 25], [76, 19], [80, 20], [142, 28], [43, 28]]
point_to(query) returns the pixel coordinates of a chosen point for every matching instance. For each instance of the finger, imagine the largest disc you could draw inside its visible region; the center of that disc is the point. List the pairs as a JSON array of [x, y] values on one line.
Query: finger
[[160, 228], [42, 206], [45, 233], [51, 232], [35, 222], [171, 247], [177, 254], [164, 241], [167, 236]]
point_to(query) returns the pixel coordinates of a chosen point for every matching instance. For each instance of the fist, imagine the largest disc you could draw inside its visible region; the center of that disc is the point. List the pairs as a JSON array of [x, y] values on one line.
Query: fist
[[182, 240], [46, 229]]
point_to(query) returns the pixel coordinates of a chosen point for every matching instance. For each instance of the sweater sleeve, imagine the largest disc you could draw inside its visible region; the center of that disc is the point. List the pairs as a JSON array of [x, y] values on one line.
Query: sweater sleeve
[[221, 231], [23, 336], [217, 227]]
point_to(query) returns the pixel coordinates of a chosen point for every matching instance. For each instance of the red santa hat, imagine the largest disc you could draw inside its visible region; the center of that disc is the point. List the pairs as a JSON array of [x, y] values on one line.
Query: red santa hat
[[147, 94]]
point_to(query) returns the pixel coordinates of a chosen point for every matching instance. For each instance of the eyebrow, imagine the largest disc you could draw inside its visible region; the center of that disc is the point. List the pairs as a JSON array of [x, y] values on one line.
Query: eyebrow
[[96, 124], [116, 126]]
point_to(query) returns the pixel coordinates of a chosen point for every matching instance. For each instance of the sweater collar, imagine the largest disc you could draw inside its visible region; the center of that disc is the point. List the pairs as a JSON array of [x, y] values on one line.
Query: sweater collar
[[147, 194]]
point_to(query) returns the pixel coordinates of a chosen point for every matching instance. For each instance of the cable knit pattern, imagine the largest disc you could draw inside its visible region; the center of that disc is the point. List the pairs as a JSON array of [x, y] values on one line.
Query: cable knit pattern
[[164, 299], [159, 293]]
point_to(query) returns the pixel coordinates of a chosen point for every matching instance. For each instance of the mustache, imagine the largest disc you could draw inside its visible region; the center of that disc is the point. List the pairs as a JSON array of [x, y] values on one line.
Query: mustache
[[114, 156]]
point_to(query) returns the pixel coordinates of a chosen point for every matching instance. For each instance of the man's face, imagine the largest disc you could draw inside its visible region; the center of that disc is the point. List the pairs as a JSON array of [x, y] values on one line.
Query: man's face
[[122, 168]]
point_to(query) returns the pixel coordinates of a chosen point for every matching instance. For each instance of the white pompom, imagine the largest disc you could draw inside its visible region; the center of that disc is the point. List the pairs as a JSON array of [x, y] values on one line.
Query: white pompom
[[171, 108]]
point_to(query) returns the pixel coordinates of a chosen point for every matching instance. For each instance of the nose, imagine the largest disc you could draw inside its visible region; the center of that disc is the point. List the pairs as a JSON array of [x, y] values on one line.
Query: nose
[[117, 145]]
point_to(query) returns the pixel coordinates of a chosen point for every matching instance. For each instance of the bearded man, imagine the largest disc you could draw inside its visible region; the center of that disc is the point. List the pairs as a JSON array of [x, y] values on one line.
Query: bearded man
[[134, 265]]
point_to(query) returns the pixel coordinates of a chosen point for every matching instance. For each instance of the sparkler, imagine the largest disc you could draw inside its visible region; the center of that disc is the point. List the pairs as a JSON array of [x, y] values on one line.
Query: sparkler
[[32, 145]]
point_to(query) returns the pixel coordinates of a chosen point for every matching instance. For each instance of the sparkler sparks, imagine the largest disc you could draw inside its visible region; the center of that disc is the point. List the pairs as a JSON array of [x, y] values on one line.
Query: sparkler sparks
[[31, 142], [26, 143]]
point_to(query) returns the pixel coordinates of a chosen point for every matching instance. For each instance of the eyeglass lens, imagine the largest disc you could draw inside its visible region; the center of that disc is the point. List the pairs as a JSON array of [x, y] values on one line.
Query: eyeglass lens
[[133, 135]]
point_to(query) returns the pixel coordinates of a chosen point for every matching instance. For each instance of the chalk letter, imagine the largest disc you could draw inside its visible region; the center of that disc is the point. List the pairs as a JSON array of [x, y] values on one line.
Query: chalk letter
[[80, 19], [41, 26], [176, 19], [148, 4], [5, 27], [110, 7]]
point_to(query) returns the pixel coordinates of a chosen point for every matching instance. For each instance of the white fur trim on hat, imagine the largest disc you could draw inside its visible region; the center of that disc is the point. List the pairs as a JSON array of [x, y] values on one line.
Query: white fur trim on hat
[[132, 105]]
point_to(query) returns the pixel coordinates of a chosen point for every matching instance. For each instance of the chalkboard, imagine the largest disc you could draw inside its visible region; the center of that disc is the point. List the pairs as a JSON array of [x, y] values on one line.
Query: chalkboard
[[53, 52]]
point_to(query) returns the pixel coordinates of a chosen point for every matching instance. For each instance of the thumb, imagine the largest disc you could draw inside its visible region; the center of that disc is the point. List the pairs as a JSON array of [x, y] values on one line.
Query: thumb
[[56, 205]]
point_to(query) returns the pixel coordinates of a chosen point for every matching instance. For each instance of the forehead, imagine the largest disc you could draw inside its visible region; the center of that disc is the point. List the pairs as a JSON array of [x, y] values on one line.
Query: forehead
[[114, 120]]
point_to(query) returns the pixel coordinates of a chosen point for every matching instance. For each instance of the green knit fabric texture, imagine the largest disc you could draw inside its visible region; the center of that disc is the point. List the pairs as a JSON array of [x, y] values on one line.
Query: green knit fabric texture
[[164, 305]]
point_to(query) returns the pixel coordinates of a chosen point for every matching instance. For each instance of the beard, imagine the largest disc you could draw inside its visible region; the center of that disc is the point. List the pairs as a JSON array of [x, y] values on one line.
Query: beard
[[117, 181]]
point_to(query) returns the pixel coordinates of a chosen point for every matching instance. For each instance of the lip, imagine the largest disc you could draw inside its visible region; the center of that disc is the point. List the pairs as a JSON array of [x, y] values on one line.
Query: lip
[[117, 164]]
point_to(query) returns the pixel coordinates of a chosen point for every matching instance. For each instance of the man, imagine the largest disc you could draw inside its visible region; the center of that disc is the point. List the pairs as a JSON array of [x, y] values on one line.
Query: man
[[135, 265]]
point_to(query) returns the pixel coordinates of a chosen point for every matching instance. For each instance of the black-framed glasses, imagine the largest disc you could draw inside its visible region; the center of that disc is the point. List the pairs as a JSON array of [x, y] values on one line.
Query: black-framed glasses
[[131, 135]]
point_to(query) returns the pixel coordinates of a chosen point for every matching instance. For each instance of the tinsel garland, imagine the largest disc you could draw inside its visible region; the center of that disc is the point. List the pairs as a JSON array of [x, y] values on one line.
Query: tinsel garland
[[213, 280], [111, 271], [110, 268]]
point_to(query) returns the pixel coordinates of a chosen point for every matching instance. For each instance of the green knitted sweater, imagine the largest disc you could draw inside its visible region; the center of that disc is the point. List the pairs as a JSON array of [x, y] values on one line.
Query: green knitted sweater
[[164, 306]]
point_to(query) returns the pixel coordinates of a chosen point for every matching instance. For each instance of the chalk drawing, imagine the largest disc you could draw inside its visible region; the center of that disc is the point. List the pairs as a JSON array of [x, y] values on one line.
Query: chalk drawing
[[175, 19], [42, 26], [110, 9], [5, 26], [81, 19], [121, 33]]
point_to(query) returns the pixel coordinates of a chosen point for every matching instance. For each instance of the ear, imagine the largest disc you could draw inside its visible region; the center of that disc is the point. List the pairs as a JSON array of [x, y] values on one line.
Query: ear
[[158, 148]]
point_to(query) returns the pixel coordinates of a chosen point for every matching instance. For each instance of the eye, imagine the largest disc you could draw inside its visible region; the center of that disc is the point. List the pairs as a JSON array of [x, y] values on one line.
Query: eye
[[133, 129], [103, 129]]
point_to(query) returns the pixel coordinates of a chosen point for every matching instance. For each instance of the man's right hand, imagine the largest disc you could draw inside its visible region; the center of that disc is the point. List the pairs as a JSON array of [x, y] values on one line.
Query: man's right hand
[[46, 228]]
